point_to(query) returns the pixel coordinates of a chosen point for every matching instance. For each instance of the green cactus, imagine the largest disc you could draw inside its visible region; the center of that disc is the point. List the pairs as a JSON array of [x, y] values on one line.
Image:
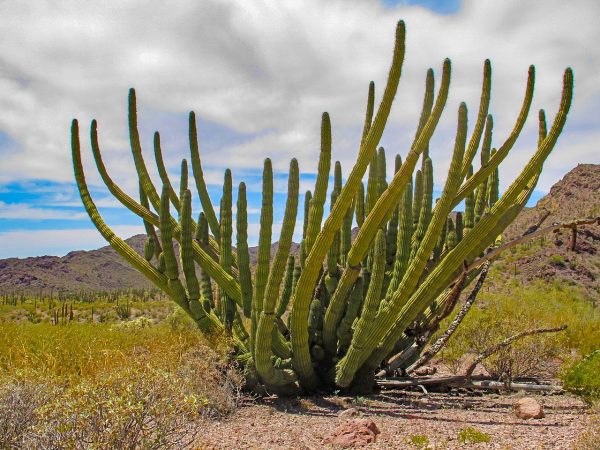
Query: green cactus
[[345, 318]]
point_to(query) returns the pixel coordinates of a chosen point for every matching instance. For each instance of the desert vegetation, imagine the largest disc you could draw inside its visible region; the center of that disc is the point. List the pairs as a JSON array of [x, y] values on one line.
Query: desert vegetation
[[390, 281]]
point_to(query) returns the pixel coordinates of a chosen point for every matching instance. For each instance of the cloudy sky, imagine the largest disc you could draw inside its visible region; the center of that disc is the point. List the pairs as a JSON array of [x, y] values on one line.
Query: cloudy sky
[[259, 74]]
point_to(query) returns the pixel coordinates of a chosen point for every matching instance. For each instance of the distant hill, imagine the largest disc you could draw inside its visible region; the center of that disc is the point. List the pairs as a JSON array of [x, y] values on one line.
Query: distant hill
[[575, 196]]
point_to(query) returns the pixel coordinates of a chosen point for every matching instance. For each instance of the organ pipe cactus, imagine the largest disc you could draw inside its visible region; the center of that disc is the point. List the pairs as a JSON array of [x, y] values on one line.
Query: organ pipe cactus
[[329, 317]]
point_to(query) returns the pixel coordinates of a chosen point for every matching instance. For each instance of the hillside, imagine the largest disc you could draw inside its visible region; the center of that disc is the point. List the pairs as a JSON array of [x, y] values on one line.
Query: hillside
[[575, 196]]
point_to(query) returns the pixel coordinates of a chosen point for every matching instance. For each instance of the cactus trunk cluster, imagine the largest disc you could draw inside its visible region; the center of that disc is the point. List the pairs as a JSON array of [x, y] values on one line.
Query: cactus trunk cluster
[[331, 316]]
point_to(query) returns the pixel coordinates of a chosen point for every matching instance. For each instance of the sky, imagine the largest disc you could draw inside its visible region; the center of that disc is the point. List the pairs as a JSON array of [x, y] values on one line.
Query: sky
[[258, 75]]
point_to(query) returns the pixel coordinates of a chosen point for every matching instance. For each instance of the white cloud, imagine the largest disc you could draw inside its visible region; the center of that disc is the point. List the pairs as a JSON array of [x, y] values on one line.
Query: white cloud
[[270, 69], [25, 211], [25, 243]]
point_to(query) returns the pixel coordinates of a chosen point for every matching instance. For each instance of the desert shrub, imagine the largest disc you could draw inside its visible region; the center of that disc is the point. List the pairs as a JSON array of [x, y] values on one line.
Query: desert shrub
[[470, 435], [499, 314], [583, 378], [125, 386], [18, 404], [127, 409]]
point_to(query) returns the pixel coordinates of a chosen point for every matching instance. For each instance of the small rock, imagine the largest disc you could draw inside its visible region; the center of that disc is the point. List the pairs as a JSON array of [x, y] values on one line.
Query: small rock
[[528, 408], [347, 413], [425, 370], [353, 433]]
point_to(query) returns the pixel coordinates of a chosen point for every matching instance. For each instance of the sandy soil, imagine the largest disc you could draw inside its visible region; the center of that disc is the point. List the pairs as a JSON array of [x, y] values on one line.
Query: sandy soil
[[301, 424]]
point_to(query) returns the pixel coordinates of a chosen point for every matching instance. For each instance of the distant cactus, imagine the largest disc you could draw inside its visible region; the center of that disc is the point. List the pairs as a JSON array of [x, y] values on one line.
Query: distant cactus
[[350, 303]]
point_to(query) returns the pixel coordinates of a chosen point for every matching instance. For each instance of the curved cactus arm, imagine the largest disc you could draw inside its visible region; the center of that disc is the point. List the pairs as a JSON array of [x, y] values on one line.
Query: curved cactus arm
[[484, 105], [392, 231], [264, 248], [242, 250], [360, 349], [142, 211], [359, 248], [264, 333], [493, 185], [207, 205], [392, 194], [136, 151], [120, 246], [475, 180], [392, 336], [302, 298], [320, 192], [491, 224], [162, 171]]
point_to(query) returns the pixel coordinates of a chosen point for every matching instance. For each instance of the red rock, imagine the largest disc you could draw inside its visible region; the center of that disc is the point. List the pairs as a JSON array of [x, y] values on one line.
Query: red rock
[[528, 408], [353, 433]]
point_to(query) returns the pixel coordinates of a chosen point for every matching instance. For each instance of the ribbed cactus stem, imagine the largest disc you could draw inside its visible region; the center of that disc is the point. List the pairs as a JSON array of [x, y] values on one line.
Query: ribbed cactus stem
[[360, 204], [359, 351], [225, 232], [264, 333], [484, 104], [162, 171], [207, 205], [302, 298], [425, 208], [264, 245], [288, 285], [403, 245], [469, 207], [307, 203], [183, 180], [242, 250], [493, 185], [320, 192], [372, 185], [459, 226], [451, 238], [418, 197], [381, 171]]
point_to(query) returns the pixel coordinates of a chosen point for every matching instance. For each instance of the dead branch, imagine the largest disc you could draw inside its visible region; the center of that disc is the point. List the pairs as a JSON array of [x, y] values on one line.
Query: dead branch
[[443, 339], [480, 383], [506, 342]]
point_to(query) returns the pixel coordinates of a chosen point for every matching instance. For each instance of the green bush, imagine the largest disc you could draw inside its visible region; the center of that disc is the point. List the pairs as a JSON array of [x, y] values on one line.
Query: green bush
[[419, 441], [557, 260], [583, 378], [498, 314], [470, 435]]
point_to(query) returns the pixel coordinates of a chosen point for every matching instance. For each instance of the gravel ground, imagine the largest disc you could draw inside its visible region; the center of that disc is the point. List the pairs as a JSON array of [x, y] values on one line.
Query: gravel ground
[[301, 424]]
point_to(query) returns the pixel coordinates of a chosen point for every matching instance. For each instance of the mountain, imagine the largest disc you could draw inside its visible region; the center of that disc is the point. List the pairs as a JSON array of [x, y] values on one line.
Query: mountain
[[575, 196]]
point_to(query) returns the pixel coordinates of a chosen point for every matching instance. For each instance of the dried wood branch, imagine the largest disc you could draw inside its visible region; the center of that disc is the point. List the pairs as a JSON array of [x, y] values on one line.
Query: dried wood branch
[[506, 342]]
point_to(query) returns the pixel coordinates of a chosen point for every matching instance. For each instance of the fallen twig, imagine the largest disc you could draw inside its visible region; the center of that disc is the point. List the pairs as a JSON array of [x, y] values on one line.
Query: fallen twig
[[479, 383]]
